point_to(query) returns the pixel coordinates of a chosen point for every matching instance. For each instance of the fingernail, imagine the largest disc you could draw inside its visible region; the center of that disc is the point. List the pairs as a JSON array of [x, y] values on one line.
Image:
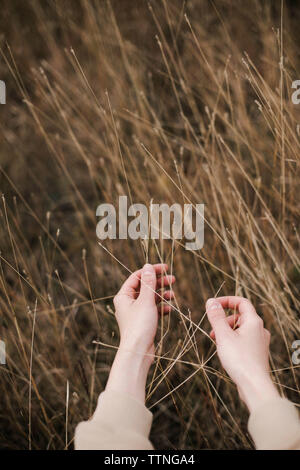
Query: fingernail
[[148, 269], [212, 303]]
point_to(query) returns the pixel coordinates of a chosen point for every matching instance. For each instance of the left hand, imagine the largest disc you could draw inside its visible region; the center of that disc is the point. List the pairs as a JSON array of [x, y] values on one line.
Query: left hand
[[136, 307]]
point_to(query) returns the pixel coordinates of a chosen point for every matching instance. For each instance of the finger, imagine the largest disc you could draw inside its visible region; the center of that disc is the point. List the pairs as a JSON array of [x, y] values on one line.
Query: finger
[[166, 308], [167, 295], [217, 318], [165, 281], [148, 284], [159, 294], [243, 305], [132, 283], [233, 322]]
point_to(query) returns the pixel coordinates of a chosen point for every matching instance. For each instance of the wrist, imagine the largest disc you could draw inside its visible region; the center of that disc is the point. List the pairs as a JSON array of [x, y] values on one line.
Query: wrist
[[256, 391], [129, 373], [135, 355], [137, 346]]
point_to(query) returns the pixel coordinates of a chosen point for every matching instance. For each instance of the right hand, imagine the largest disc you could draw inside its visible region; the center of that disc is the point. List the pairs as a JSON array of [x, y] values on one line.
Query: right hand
[[243, 352]]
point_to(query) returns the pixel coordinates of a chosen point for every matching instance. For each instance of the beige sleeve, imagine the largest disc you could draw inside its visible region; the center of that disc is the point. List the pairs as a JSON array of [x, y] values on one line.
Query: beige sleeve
[[119, 423], [275, 425]]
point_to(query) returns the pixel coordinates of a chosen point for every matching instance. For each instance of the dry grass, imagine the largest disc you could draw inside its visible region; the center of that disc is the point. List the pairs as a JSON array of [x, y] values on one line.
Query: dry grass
[[172, 101]]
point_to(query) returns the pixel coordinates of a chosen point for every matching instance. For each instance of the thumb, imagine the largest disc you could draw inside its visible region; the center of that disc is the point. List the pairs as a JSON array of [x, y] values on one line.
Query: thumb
[[148, 284], [217, 318]]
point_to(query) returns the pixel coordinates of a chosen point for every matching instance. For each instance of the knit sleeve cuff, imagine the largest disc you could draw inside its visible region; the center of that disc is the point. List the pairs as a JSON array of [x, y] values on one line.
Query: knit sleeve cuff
[[275, 425], [123, 411]]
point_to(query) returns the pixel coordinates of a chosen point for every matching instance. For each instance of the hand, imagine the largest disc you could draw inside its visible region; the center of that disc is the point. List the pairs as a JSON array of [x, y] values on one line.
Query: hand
[[137, 315], [244, 351], [137, 306]]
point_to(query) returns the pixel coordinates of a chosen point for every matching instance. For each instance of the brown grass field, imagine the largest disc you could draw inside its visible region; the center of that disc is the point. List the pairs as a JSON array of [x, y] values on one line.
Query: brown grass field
[[170, 101]]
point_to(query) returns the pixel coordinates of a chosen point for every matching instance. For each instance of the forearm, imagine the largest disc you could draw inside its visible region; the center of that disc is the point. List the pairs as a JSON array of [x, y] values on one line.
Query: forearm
[[129, 373], [274, 424], [273, 421], [257, 390], [121, 420]]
